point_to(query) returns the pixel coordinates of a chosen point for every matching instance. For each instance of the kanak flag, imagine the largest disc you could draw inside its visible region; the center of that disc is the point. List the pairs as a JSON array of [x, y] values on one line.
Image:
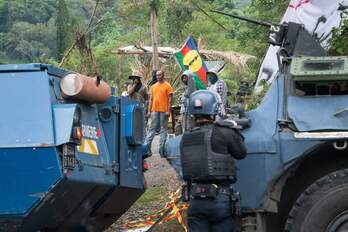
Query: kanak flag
[[188, 57]]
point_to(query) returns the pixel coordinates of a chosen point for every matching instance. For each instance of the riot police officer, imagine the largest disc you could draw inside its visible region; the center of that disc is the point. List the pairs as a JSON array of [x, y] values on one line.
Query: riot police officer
[[207, 154]]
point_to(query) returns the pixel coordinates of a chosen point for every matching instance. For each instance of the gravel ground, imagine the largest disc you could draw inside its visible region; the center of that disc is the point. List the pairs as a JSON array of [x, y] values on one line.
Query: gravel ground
[[161, 181]]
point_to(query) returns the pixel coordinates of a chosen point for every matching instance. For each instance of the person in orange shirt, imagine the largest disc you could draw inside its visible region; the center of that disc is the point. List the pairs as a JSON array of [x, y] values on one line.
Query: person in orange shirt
[[159, 111]]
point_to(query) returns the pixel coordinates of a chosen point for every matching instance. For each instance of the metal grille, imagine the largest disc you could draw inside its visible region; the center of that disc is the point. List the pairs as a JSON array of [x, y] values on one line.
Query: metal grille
[[69, 157], [138, 125]]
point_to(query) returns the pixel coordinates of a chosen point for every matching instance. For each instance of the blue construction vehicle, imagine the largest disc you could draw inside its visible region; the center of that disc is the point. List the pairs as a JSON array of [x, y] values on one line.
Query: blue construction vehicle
[[66, 162], [295, 176]]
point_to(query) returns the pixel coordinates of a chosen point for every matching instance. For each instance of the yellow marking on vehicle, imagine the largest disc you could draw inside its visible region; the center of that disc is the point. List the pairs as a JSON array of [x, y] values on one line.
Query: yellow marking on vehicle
[[88, 146]]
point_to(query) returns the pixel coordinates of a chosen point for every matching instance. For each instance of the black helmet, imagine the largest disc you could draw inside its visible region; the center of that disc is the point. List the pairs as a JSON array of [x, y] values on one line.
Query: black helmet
[[203, 102]]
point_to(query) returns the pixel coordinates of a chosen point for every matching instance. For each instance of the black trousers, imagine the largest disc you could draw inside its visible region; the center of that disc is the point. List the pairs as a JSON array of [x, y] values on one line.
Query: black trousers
[[211, 215]]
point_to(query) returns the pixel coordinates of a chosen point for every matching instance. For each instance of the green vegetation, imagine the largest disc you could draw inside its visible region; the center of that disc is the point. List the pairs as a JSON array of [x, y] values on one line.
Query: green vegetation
[[42, 31], [151, 195], [339, 40], [63, 26]]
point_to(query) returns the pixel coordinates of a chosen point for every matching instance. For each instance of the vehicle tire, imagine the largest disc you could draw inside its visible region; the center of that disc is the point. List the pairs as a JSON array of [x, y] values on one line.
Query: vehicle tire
[[322, 207]]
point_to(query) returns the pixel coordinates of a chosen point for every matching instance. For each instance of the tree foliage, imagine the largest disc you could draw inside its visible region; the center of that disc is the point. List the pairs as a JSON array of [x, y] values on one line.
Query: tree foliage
[[63, 28], [40, 31], [339, 41]]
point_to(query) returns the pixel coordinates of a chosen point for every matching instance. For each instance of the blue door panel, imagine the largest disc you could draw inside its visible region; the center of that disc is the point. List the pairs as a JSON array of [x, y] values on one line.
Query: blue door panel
[[97, 167], [26, 120], [333, 114], [131, 156], [27, 174]]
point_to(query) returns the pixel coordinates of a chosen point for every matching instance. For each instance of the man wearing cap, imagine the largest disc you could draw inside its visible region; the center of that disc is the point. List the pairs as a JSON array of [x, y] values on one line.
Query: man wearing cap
[[159, 110], [136, 90]]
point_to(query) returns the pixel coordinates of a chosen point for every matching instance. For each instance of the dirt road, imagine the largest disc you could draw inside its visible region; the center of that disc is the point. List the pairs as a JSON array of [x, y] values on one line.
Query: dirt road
[[161, 181]]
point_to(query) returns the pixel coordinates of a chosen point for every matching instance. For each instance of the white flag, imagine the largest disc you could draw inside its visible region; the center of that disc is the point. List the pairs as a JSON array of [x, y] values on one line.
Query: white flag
[[306, 12]]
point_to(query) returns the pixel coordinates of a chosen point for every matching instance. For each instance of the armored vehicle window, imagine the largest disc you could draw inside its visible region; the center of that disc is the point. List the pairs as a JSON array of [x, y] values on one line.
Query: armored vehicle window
[[307, 88], [318, 76], [334, 65]]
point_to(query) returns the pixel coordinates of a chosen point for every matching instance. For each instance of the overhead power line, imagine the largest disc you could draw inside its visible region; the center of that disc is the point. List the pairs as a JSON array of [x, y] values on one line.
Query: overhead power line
[[206, 14]]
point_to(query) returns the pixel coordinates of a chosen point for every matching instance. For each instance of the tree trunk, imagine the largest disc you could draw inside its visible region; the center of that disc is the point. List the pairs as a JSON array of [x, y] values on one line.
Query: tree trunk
[[154, 38]]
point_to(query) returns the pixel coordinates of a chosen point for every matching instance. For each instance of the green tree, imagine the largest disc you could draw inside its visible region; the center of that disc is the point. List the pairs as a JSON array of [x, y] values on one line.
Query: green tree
[[339, 41], [31, 11], [29, 42], [176, 15], [63, 26], [4, 16]]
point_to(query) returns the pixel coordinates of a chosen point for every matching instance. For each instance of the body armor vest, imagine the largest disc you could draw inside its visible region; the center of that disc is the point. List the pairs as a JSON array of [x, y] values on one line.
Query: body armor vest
[[200, 162]]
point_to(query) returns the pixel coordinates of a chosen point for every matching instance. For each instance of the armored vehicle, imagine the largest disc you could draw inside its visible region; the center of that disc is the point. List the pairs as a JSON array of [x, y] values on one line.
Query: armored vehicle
[[295, 176], [69, 160]]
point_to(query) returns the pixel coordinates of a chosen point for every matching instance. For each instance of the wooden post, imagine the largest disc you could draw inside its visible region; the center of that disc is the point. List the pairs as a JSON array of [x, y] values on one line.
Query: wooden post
[[154, 37], [118, 76]]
